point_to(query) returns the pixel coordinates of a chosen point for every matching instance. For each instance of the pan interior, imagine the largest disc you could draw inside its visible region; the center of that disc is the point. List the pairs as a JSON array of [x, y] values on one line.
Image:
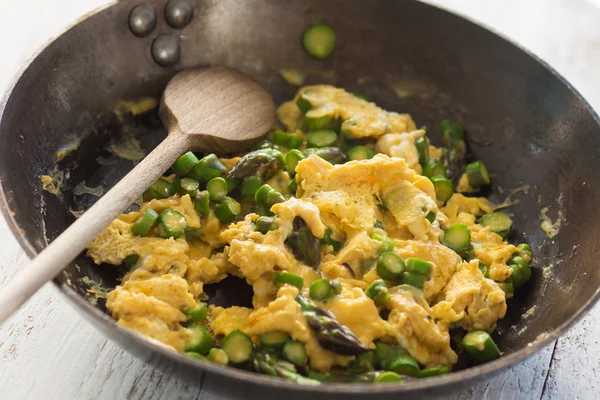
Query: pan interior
[[532, 130]]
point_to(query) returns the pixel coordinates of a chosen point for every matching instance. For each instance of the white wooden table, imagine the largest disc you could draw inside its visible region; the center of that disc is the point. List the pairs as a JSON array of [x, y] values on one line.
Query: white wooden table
[[47, 351]]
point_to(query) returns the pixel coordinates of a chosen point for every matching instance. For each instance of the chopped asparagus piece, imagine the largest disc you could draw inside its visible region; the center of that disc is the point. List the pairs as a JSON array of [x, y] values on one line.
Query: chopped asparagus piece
[[238, 347], [287, 140], [388, 377], [361, 153], [457, 237], [480, 346], [185, 163], [262, 163], [498, 222], [443, 188], [305, 246], [419, 266], [250, 185], [274, 339], [171, 224], [485, 270], [200, 340], [284, 277], [403, 365], [319, 41], [387, 244], [332, 154], [414, 279], [431, 216], [434, 371], [295, 352], [198, 313], [322, 117], [390, 266], [331, 335], [477, 174], [434, 168], [329, 240], [188, 186], [227, 210], [378, 292], [145, 223], [322, 138], [202, 203], [292, 158], [265, 224], [217, 188], [218, 356], [525, 251], [207, 168], [160, 189], [321, 290], [422, 145]]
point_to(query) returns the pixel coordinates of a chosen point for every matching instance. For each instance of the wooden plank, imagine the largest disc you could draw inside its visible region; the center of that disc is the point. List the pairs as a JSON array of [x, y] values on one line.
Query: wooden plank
[[575, 368]]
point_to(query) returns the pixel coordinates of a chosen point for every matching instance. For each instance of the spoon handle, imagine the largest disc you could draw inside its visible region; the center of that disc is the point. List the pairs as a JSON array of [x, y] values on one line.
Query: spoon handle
[[52, 260]]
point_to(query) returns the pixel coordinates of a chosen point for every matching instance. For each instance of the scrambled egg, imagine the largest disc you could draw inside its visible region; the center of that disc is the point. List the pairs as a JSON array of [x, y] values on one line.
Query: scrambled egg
[[360, 118], [346, 199]]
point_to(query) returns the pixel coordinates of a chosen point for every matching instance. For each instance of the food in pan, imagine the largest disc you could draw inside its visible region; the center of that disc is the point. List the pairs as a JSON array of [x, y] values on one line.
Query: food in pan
[[366, 247]]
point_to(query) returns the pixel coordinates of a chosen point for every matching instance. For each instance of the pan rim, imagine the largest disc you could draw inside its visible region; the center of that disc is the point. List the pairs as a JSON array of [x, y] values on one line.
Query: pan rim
[[459, 377]]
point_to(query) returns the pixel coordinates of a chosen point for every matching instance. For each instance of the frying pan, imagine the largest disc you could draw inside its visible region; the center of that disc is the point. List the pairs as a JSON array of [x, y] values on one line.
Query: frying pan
[[524, 120]]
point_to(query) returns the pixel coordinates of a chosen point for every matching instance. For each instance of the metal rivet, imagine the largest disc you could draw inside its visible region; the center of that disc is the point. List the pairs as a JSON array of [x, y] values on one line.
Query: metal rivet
[[179, 13], [166, 50], [142, 20]]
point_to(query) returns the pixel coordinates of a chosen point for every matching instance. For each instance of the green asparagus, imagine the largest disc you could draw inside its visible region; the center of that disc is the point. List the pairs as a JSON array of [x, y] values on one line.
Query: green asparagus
[[207, 168], [305, 246], [498, 222], [456, 148], [330, 334], [268, 363], [329, 240], [262, 163], [480, 346], [332, 154]]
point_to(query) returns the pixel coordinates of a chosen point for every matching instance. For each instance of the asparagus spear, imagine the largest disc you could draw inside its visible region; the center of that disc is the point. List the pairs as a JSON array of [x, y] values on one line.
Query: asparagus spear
[[327, 239], [269, 364], [305, 246], [455, 155], [265, 224], [263, 163], [331, 335], [332, 154]]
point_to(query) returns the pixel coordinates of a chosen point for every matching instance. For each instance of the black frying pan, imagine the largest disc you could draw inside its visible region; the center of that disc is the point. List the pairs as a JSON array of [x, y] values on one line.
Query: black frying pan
[[528, 125]]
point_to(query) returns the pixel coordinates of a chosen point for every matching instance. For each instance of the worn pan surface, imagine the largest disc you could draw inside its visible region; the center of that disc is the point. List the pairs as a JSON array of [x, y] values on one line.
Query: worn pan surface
[[522, 118]]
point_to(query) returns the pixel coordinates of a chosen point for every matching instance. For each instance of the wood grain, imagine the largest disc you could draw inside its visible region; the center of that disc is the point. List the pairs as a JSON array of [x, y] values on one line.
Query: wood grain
[[575, 367], [220, 108]]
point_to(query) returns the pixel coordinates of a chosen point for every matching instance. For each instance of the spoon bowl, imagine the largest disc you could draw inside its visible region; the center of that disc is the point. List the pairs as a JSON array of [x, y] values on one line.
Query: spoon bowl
[[219, 109]]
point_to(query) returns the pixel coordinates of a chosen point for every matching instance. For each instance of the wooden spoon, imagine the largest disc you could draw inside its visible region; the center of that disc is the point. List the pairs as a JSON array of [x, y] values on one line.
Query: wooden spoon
[[212, 109]]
